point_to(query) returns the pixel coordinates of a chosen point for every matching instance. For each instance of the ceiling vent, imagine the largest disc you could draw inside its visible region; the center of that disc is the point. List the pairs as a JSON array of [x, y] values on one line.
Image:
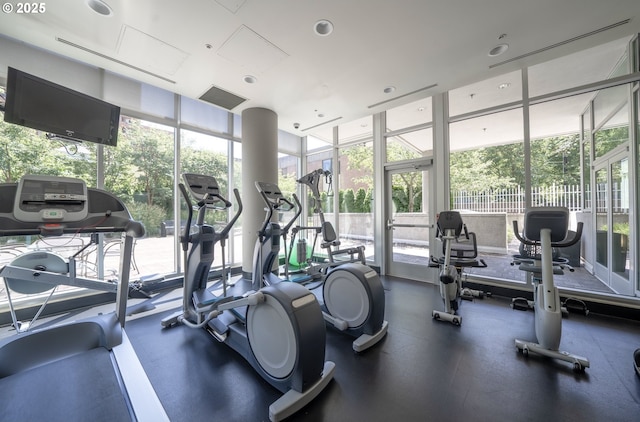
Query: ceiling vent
[[323, 123], [402, 96], [221, 98], [120, 62], [579, 37]]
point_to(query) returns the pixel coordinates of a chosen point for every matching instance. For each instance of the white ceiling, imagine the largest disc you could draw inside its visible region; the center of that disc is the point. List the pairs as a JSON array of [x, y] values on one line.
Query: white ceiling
[[188, 47]]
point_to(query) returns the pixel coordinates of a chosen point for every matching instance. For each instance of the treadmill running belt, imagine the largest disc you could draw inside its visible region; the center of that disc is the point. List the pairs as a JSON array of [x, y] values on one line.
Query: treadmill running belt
[[83, 387]]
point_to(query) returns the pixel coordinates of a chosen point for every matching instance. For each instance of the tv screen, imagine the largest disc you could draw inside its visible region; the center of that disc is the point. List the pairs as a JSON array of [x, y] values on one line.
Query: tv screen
[[42, 105]]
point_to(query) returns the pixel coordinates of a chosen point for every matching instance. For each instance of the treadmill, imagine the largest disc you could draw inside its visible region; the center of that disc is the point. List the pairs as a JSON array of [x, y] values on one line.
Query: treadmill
[[81, 370]]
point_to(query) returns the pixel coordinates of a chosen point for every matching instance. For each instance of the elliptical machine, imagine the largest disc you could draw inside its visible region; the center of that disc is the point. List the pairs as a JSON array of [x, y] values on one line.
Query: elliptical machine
[[546, 228], [278, 329], [352, 297], [458, 254]]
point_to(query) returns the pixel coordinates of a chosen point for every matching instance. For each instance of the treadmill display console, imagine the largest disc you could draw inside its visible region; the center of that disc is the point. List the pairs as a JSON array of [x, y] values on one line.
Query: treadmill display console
[[50, 199]]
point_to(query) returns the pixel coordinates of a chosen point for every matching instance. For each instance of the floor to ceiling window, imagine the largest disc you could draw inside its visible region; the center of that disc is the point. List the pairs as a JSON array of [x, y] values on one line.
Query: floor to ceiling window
[[26, 151], [208, 155], [487, 184], [354, 176], [574, 143], [140, 170], [408, 156], [611, 135]]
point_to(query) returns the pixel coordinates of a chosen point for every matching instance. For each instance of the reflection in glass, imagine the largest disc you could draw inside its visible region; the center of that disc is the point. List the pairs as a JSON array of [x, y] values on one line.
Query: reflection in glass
[[503, 89], [357, 130], [409, 115], [410, 145], [602, 205], [620, 217], [586, 158], [611, 119], [581, 68]]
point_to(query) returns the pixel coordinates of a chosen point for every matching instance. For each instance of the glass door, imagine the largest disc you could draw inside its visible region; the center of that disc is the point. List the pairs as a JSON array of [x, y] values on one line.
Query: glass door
[[613, 258], [408, 220]]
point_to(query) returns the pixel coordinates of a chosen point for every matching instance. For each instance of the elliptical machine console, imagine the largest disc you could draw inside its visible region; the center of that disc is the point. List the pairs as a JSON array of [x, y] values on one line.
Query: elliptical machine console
[[278, 329]]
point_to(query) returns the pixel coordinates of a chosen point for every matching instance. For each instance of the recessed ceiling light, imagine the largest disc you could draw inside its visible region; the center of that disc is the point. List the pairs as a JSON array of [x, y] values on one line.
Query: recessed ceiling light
[[323, 27], [504, 85], [498, 49], [250, 79], [389, 89], [100, 7]]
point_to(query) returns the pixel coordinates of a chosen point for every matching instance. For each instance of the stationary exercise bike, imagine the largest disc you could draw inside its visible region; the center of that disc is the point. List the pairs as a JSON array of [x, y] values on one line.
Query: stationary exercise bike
[[278, 329], [352, 296], [546, 228], [459, 253]]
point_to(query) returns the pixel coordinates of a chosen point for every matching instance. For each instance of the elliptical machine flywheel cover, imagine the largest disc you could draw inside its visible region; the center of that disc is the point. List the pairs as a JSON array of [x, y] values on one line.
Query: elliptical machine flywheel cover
[[346, 294], [287, 334]]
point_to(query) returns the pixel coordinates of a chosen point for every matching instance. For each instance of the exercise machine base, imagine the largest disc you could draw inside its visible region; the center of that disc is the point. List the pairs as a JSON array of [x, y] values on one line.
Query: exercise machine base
[[292, 401], [446, 316], [579, 362], [367, 340]]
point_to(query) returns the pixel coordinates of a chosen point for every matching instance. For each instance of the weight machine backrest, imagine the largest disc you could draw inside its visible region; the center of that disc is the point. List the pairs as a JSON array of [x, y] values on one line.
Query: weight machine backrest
[[328, 233]]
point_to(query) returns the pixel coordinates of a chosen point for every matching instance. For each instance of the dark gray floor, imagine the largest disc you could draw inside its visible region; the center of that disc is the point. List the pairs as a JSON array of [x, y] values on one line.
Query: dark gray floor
[[424, 370]]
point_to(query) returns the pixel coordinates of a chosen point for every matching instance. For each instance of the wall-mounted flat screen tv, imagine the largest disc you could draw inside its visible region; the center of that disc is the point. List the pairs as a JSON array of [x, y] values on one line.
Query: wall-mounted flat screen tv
[[59, 111]]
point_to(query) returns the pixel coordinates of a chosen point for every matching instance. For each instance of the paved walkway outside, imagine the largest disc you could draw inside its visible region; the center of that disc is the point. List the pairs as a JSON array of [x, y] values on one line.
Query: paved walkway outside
[[155, 256]]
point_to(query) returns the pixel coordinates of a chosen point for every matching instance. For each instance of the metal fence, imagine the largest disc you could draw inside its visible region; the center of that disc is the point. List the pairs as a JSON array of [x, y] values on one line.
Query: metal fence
[[512, 200]]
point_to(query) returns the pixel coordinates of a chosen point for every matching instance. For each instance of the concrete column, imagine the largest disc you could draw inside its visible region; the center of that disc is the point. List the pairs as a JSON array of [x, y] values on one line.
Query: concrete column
[[259, 163]]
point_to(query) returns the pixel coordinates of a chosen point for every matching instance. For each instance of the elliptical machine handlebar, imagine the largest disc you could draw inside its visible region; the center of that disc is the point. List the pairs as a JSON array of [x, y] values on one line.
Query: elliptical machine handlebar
[[184, 236], [231, 222], [274, 200], [203, 202], [298, 208]]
